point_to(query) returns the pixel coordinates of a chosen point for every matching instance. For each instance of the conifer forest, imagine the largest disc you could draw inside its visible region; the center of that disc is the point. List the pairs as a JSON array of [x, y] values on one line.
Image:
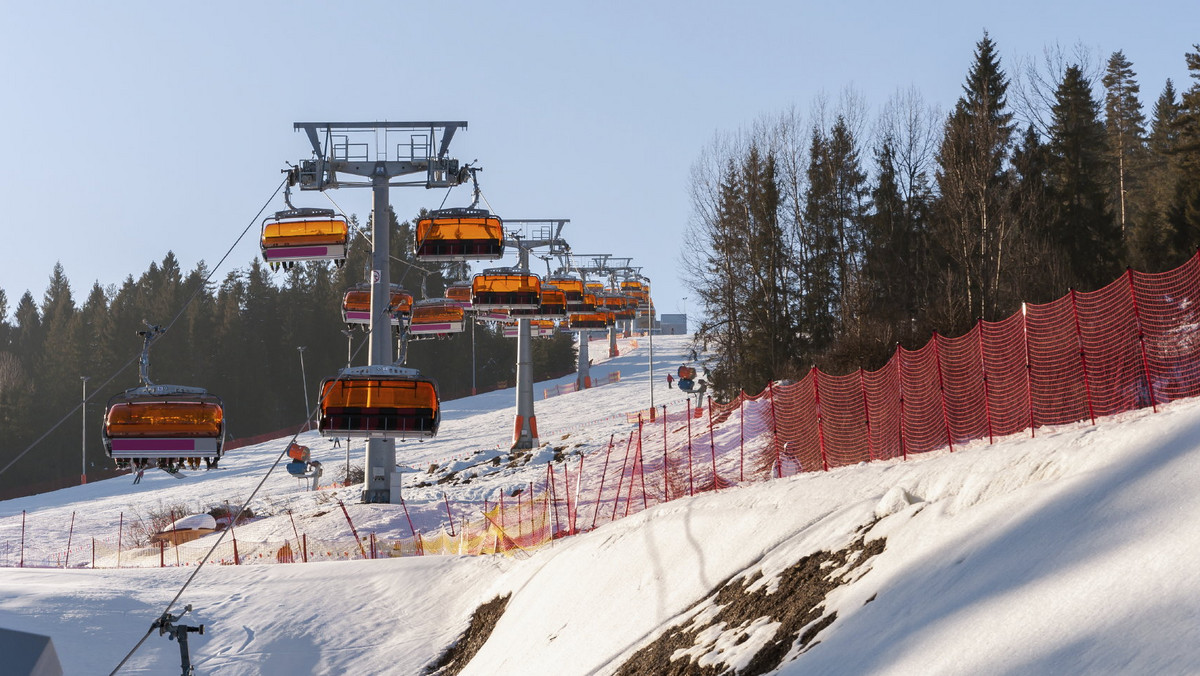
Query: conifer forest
[[238, 338], [826, 239]]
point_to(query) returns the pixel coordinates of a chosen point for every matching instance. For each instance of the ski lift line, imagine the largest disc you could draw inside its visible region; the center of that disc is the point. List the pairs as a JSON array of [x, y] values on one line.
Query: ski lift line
[[129, 363], [233, 520]]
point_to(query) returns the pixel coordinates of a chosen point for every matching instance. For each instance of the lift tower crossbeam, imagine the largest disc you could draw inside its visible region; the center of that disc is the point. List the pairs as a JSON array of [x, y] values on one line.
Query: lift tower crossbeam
[[379, 152]]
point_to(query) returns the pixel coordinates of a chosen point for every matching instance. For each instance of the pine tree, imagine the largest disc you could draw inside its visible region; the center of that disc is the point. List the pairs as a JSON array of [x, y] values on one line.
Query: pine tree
[[1081, 225], [1125, 126]]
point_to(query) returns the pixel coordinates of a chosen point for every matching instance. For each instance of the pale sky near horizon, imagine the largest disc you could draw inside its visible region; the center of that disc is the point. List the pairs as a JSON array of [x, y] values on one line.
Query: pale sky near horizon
[[135, 128]]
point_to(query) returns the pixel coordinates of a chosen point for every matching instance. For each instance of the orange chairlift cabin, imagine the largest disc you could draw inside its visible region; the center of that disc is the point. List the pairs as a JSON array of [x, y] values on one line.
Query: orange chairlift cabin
[[553, 306], [382, 402], [572, 288], [592, 320], [435, 318], [590, 304], [304, 235], [356, 304], [459, 235], [506, 289], [167, 426], [538, 328], [620, 305], [460, 292]]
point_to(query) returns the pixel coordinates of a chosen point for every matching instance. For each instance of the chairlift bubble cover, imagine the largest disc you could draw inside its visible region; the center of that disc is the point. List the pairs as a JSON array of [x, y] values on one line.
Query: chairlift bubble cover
[[356, 304], [304, 238], [495, 290], [459, 235], [436, 316], [163, 421], [379, 402]]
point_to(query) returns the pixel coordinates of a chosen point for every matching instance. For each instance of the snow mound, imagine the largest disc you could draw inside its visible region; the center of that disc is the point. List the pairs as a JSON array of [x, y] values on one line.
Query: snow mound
[[894, 501]]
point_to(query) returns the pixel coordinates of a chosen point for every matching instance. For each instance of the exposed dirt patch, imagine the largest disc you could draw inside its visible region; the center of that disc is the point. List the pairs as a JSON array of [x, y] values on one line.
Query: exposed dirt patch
[[796, 607], [459, 655]]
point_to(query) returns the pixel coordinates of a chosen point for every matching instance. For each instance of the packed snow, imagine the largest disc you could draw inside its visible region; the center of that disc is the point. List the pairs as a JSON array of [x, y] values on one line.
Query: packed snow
[[1070, 552]]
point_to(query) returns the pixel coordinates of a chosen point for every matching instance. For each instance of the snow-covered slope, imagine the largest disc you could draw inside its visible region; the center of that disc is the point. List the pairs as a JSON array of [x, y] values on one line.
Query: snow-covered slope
[[1072, 552]]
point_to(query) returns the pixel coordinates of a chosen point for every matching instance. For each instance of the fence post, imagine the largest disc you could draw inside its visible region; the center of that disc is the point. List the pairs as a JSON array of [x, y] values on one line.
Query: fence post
[[691, 476], [712, 444], [372, 544], [70, 534], [1137, 318], [553, 493], [1087, 387], [900, 395], [22, 564], [406, 516], [642, 465], [632, 476], [666, 466], [353, 531], [987, 404], [862, 387], [175, 536], [816, 375], [449, 514], [937, 361], [120, 529], [741, 436], [1028, 368], [162, 553], [775, 431], [572, 514], [233, 533], [603, 474], [566, 489], [304, 546], [621, 478]]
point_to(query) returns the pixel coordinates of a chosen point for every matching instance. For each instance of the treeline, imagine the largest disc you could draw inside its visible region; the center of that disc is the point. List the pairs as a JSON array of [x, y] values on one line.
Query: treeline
[[827, 242], [238, 338]]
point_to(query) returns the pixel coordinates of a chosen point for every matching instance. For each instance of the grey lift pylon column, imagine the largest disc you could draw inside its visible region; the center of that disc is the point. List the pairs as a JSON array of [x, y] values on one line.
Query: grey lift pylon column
[[584, 376], [525, 434], [381, 453], [525, 425]]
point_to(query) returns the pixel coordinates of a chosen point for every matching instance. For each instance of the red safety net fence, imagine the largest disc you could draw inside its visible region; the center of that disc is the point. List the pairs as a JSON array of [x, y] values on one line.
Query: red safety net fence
[[1134, 343], [1131, 344]]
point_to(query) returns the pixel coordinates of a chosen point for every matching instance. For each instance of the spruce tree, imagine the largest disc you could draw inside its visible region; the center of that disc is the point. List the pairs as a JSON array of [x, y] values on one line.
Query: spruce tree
[[973, 224], [1081, 224], [1183, 211]]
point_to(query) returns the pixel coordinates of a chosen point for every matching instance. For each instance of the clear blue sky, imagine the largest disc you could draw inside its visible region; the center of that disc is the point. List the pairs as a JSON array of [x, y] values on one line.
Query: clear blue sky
[[134, 128]]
